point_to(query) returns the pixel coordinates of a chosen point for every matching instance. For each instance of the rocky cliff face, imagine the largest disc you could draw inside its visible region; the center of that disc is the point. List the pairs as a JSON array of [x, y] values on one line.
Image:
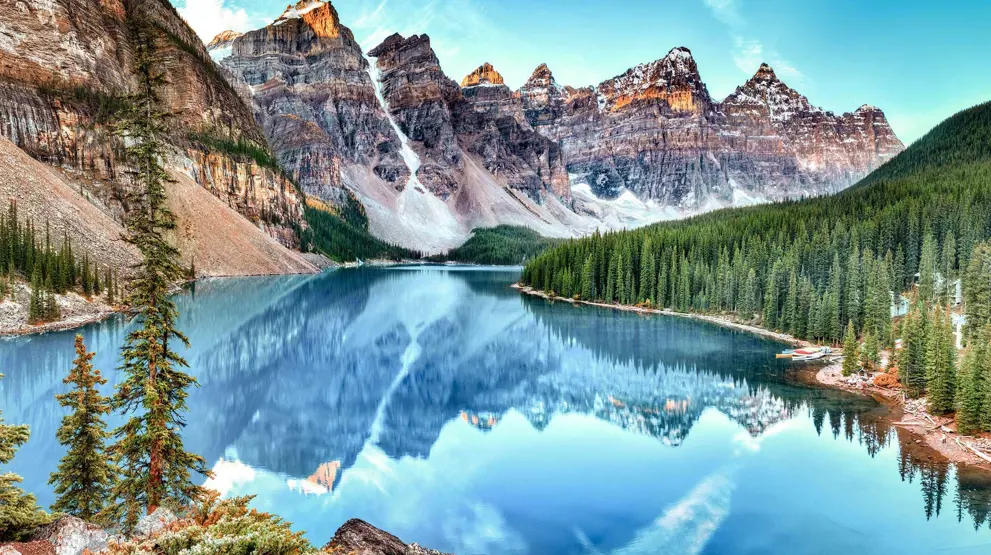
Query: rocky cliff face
[[419, 96], [656, 132], [64, 66], [429, 160], [315, 101]]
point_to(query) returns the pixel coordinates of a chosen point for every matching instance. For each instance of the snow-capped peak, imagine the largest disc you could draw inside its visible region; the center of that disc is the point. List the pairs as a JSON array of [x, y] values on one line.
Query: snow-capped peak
[[484, 75], [301, 8]]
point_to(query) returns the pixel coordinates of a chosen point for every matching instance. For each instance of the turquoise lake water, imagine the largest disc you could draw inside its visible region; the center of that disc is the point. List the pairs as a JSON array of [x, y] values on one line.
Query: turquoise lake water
[[442, 406]]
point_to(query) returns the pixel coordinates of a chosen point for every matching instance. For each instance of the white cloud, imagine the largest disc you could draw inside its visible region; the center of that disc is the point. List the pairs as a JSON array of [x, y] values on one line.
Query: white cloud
[[210, 17], [749, 52], [726, 11]]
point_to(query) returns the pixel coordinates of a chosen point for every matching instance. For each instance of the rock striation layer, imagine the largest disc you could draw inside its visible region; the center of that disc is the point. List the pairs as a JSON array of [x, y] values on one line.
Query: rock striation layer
[[65, 66], [428, 159], [656, 131]]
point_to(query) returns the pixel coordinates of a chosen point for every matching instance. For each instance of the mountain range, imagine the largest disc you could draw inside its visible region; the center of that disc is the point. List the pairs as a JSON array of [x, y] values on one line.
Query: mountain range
[[297, 109], [432, 159]]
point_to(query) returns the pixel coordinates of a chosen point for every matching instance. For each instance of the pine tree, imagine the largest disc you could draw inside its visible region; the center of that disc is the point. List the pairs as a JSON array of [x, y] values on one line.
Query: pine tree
[[870, 355], [588, 279], [941, 363], [611, 280], [927, 269], [87, 284], [948, 266], [850, 350], [84, 476], [111, 294], [36, 305], [648, 272], [789, 315], [751, 293], [154, 466], [977, 288], [854, 302], [974, 370], [912, 369], [19, 513]]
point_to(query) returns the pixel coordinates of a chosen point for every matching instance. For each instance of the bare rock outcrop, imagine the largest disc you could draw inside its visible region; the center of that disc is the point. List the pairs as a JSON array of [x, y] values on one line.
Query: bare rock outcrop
[[656, 131], [357, 537], [72, 536], [64, 68]]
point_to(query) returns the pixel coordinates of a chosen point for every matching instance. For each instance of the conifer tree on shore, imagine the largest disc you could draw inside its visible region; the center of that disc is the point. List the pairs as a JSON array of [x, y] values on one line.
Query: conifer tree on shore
[[941, 362], [851, 352], [84, 477], [912, 361], [155, 468], [18, 510], [975, 371]]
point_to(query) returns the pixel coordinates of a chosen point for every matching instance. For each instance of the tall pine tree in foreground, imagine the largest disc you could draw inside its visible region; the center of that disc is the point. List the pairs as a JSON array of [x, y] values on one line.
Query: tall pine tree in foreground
[[85, 475], [155, 468], [19, 513]]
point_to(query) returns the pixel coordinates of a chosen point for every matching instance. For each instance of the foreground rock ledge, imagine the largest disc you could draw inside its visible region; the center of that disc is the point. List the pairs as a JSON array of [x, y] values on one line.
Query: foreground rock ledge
[[357, 537], [72, 536]]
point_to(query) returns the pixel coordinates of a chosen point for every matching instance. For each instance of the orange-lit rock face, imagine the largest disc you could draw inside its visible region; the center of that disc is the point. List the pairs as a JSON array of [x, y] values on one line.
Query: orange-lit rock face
[[326, 474], [484, 75], [679, 101], [225, 37], [656, 131], [324, 21]]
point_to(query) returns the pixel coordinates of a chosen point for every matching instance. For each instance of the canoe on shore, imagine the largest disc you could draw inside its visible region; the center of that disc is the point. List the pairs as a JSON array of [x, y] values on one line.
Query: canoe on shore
[[805, 354]]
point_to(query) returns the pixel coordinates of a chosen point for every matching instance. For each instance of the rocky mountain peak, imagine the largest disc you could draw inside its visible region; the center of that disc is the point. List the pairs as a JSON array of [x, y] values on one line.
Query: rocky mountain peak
[[766, 96], [765, 73], [223, 39], [868, 109], [320, 15], [541, 78], [673, 80], [485, 74]]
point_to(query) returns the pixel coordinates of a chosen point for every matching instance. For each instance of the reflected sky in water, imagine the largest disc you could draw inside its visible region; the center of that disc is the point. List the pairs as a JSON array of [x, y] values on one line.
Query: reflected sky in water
[[442, 406]]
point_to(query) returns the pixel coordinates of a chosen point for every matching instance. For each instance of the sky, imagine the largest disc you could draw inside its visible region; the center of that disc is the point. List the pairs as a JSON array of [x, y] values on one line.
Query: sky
[[920, 61]]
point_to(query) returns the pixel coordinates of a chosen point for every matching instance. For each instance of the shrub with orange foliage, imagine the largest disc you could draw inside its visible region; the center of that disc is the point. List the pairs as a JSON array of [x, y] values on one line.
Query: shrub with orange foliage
[[215, 526], [889, 379]]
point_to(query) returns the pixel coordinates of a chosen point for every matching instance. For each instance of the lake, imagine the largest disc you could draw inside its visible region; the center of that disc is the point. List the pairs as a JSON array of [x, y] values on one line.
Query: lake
[[444, 407]]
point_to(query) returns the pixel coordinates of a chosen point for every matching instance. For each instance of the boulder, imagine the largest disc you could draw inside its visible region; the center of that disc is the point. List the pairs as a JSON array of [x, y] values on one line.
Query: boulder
[[357, 537], [154, 523], [29, 548], [72, 536]]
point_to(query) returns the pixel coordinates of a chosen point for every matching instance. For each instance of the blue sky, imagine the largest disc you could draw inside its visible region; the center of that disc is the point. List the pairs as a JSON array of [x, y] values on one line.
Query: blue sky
[[920, 61]]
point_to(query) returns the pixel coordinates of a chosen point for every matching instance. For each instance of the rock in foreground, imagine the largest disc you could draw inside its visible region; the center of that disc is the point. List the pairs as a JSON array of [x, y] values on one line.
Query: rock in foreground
[[357, 537]]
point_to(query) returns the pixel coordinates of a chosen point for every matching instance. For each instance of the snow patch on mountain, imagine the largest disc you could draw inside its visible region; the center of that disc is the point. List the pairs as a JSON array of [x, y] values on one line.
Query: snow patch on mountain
[[299, 10]]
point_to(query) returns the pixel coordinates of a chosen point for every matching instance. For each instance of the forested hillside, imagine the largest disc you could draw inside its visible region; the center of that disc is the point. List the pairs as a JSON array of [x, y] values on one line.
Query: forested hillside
[[808, 267], [502, 245], [341, 234]]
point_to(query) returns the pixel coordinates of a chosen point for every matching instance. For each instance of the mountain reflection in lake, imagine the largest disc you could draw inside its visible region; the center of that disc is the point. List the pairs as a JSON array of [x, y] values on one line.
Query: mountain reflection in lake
[[442, 406]]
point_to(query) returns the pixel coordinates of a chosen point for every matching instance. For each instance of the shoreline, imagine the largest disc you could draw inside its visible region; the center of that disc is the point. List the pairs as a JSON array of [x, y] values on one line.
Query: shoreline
[[67, 324], [718, 320], [936, 434], [80, 320]]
